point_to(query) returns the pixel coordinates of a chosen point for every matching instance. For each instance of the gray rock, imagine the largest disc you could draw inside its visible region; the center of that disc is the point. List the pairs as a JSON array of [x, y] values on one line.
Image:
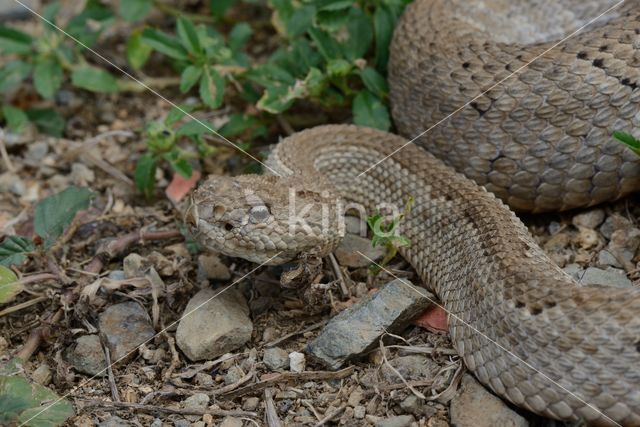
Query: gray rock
[[359, 412], [196, 401], [589, 219], [203, 379], [474, 406], [297, 362], [606, 258], [10, 182], [11, 9], [42, 375], [612, 223], [86, 356], [359, 328], [231, 422], [612, 277], [181, 422], [117, 275], [250, 403], [411, 404], [275, 358], [233, 375], [114, 421], [411, 367], [215, 322], [347, 251], [574, 270], [124, 327], [397, 421], [211, 267], [133, 265]]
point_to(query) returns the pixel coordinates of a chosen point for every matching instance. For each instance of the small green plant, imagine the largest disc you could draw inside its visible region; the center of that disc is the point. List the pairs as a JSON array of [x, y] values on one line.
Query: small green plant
[[385, 233], [628, 140], [52, 215]]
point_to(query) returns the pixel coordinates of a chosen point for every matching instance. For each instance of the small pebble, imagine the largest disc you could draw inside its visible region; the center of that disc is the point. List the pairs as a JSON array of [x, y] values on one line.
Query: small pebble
[[231, 422], [611, 277], [296, 361], [133, 265], [359, 412], [589, 219], [275, 358], [211, 267], [250, 403], [397, 421], [42, 375]]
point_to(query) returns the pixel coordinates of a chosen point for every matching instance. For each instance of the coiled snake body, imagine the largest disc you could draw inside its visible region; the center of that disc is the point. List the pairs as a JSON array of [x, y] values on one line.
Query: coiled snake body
[[539, 141]]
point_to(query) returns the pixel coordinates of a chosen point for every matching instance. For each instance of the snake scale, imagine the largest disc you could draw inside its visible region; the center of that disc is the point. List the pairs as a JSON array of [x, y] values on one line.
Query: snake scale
[[538, 141]]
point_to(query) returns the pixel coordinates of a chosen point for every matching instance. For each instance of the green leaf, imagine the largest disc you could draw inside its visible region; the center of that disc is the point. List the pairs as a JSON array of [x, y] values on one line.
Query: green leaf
[[374, 82], [300, 21], [327, 46], [360, 35], [30, 404], [237, 124], [331, 20], [137, 52], [316, 83], [55, 212], [12, 74], [89, 24], [628, 140], [47, 77], [164, 44], [94, 79], [178, 164], [14, 41], [176, 113], [383, 25], [145, 175], [189, 77], [134, 10], [16, 118], [334, 4], [239, 36], [369, 110], [9, 286], [219, 7], [277, 99], [195, 128], [47, 120], [338, 67], [188, 35], [13, 250], [211, 87]]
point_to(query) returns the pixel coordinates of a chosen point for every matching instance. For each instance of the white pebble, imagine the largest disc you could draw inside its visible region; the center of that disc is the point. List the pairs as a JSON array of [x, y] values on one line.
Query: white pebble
[[296, 361]]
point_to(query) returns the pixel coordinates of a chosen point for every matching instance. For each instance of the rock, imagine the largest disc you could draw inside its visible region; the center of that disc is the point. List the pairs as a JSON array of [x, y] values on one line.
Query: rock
[[574, 270], [359, 412], [589, 219], [411, 367], [114, 421], [117, 275], [124, 327], [211, 267], [358, 328], [411, 404], [233, 375], [198, 401], [586, 238], [347, 252], [612, 223], [354, 225], [10, 182], [397, 421], [611, 277], [86, 356], [296, 361], [275, 358], [231, 422], [11, 10], [42, 375], [204, 380], [250, 403], [606, 258], [474, 406], [81, 175], [133, 266], [223, 315], [355, 397]]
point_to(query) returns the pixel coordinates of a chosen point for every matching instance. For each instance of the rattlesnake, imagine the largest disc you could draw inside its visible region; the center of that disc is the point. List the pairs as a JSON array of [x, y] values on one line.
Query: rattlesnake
[[524, 327]]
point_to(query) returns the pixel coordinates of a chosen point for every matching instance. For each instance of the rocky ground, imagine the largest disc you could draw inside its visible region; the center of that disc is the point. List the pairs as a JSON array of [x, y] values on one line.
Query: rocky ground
[[133, 327]]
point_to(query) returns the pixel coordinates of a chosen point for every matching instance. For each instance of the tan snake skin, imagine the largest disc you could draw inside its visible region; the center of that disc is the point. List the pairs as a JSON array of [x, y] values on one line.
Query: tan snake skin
[[540, 142]]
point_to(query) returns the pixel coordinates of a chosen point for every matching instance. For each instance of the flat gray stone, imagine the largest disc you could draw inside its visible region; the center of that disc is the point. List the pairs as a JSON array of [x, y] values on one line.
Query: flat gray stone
[[86, 356], [124, 327], [397, 421], [589, 219], [474, 406], [215, 322], [276, 358], [613, 277], [347, 252], [358, 328], [605, 258]]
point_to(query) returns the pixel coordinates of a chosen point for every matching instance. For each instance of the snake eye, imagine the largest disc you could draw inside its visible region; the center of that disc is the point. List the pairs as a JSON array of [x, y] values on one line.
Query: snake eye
[[259, 214]]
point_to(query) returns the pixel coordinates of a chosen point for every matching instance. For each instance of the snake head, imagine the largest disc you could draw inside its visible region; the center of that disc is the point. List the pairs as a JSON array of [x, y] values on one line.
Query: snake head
[[265, 219]]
